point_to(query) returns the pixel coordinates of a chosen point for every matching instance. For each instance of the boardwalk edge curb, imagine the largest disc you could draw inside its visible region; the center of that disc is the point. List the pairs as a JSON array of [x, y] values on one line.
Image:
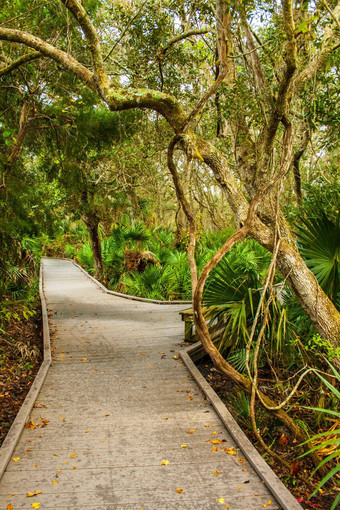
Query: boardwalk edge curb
[[13, 435], [127, 296], [278, 489]]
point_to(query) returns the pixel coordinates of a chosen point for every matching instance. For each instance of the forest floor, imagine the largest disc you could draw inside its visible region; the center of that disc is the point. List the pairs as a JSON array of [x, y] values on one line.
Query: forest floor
[[278, 439], [20, 359]]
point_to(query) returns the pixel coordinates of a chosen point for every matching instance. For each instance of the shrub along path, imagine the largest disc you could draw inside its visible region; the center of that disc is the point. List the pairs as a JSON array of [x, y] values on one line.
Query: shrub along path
[[119, 422]]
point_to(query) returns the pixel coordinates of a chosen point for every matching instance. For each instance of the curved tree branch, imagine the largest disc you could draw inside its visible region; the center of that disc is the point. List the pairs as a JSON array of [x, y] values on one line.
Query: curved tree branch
[[19, 62], [91, 35], [61, 57]]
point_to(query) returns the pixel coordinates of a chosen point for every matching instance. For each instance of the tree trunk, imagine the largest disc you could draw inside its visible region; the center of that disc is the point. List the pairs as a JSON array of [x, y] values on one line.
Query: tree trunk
[[92, 227]]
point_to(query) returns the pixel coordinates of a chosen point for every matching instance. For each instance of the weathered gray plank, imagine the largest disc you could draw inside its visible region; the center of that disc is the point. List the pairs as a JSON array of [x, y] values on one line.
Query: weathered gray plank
[[122, 411]]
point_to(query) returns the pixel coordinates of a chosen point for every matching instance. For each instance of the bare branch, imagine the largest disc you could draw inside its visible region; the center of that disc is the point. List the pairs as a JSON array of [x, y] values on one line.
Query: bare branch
[[91, 35], [180, 37], [331, 13], [125, 30], [328, 47], [186, 208], [61, 57], [19, 62]]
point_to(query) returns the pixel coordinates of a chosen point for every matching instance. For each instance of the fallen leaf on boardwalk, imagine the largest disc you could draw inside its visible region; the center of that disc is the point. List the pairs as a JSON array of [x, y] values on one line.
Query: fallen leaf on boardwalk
[[226, 507], [207, 425], [35, 465], [31, 425], [176, 356], [179, 491], [215, 473], [214, 433], [165, 462], [72, 455], [184, 445], [30, 494], [58, 470], [9, 506], [215, 449], [16, 459], [190, 398], [84, 360], [230, 451], [55, 482], [220, 500], [208, 441], [35, 505], [216, 441], [242, 460], [74, 467], [108, 414], [87, 431], [149, 365], [64, 463], [191, 431], [165, 418]]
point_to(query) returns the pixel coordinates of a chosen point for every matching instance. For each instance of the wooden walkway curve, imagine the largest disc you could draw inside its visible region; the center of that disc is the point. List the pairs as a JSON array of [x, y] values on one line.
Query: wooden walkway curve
[[119, 423]]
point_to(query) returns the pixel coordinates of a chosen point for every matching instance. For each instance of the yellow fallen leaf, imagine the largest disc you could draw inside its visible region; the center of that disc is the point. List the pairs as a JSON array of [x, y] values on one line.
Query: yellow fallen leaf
[[30, 494], [9, 506], [64, 463], [58, 470], [184, 445], [216, 441], [226, 507], [270, 502], [84, 360], [207, 425], [35, 465], [55, 482], [149, 365], [87, 431], [74, 467], [215, 449], [176, 356], [165, 462], [231, 451], [179, 491], [214, 433], [242, 460], [239, 487], [35, 505], [73, 455], [220, 500], [191, 431], [16, 459], [215, 473]]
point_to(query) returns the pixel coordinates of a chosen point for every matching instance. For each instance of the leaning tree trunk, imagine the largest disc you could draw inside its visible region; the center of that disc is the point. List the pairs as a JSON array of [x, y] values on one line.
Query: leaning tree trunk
[[92, 227]]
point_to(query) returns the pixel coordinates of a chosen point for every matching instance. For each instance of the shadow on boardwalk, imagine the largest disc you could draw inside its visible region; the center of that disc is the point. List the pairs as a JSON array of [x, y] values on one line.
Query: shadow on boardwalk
[[124, 424]]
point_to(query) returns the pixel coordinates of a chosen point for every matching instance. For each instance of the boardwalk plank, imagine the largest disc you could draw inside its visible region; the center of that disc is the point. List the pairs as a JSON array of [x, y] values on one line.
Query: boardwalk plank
[[116, 398]]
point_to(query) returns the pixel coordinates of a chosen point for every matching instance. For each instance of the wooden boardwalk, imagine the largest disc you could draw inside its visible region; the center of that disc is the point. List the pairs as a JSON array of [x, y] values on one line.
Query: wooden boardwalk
[[120, 424]]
